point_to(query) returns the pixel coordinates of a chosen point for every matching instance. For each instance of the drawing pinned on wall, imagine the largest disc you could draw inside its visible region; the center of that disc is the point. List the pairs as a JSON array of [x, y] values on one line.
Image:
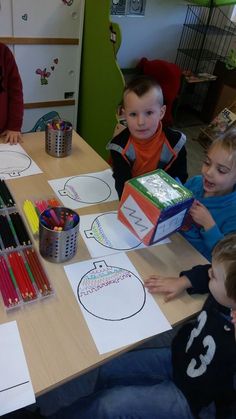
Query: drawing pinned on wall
[[15, 162], [68, 2], [136, 7], [45, 74], [118, 7], [86, 189], [55, 61], [114, 302], [128, 7]]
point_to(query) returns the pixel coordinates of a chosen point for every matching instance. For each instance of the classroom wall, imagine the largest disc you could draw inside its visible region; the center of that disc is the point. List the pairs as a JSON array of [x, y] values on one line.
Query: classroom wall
[[46, 40], [155, 35]]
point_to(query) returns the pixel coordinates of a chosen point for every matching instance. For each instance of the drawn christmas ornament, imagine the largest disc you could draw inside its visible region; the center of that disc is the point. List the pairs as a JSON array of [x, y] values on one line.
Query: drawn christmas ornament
[[86, 189], [111, 293], [104, 230], [13, 163]]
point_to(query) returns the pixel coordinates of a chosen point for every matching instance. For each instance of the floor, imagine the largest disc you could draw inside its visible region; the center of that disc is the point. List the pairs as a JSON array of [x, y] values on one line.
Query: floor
[[190, 125]]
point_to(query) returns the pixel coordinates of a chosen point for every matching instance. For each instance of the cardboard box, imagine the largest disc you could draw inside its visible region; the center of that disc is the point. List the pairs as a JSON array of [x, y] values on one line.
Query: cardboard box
[[154, 205]]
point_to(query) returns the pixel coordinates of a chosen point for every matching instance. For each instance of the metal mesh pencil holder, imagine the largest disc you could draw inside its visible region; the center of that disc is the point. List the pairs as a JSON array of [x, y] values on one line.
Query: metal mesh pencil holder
[[58, 138], [58, 239]]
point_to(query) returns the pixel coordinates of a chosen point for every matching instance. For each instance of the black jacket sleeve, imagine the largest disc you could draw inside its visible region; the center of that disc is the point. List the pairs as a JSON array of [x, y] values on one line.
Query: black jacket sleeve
[[121, 171], [199, 278], [179, 166]]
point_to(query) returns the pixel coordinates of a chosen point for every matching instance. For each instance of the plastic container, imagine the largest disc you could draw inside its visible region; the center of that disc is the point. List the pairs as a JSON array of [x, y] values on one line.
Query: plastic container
[[58, 138], [58, 233]]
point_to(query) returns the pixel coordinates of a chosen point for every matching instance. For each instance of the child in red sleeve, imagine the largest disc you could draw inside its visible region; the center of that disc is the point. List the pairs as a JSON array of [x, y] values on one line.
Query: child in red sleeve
[[11, 97]]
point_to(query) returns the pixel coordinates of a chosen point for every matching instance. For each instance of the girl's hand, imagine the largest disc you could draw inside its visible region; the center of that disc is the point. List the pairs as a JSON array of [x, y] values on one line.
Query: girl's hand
[[12, 137], [171, 287], [201, 215]]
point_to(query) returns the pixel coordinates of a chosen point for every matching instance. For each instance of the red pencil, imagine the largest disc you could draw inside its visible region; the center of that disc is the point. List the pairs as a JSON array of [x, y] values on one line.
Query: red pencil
[[10, 286], [3, 288], [26, 277], [17, 271], [34, 270], [37, 264]]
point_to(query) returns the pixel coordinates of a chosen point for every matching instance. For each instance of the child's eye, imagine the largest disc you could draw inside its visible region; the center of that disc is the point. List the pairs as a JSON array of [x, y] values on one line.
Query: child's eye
[[223, 171], [206, 162], [132, 114], [149, 113]]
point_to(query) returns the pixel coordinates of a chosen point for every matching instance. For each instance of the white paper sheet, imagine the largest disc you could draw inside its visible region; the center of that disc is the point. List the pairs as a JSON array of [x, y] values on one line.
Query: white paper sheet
[[104, 235], [16, 389], [86, 189], [114, 302], [16, 163]]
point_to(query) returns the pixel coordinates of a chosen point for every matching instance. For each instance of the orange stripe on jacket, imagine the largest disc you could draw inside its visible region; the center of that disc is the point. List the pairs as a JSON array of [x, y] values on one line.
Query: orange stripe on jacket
[[148, 152]]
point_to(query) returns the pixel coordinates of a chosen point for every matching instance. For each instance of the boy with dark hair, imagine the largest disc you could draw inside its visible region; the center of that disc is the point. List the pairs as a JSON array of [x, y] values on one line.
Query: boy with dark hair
[[144, 146], [11, 97]]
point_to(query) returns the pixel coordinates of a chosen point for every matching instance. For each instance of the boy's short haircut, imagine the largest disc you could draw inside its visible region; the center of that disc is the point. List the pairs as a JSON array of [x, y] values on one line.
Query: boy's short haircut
[[227, 140], [225, 252], [141, 85]]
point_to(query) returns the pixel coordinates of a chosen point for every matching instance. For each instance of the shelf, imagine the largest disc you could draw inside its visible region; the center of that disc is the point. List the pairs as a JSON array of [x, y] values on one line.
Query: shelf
[[206, 38], [210, 30], [205, 54]]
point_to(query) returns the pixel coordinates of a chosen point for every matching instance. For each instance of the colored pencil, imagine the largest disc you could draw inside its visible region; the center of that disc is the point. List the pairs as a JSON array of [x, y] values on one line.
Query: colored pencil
[[6, 195], [20, 229], [22, 277], [41, 205], [31, 216], [53, 202], [38, 271], [8, 238], [7, 287]]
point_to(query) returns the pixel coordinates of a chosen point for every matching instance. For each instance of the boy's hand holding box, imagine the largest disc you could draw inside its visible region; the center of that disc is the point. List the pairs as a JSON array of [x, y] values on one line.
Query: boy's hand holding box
[[154, 205]]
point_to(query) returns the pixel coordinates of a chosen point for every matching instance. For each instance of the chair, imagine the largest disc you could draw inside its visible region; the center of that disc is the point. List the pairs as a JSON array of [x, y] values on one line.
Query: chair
[[168, 75], [42, 122]]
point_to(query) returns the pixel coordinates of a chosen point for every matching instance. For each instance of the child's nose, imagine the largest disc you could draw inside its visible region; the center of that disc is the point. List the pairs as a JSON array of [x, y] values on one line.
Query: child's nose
[[209, 170], [140, 120]]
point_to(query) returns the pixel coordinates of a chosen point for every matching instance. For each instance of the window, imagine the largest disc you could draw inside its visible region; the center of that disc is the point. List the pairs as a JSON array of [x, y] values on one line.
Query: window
[[233, 16]]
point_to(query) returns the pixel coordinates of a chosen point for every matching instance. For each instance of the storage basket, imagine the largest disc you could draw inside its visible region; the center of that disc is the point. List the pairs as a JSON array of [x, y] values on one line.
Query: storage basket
[[58, 138], [58, 239]]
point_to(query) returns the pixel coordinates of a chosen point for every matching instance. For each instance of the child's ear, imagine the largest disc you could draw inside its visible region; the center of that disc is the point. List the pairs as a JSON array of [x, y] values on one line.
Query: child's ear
[[120, 110], [163, 111]]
